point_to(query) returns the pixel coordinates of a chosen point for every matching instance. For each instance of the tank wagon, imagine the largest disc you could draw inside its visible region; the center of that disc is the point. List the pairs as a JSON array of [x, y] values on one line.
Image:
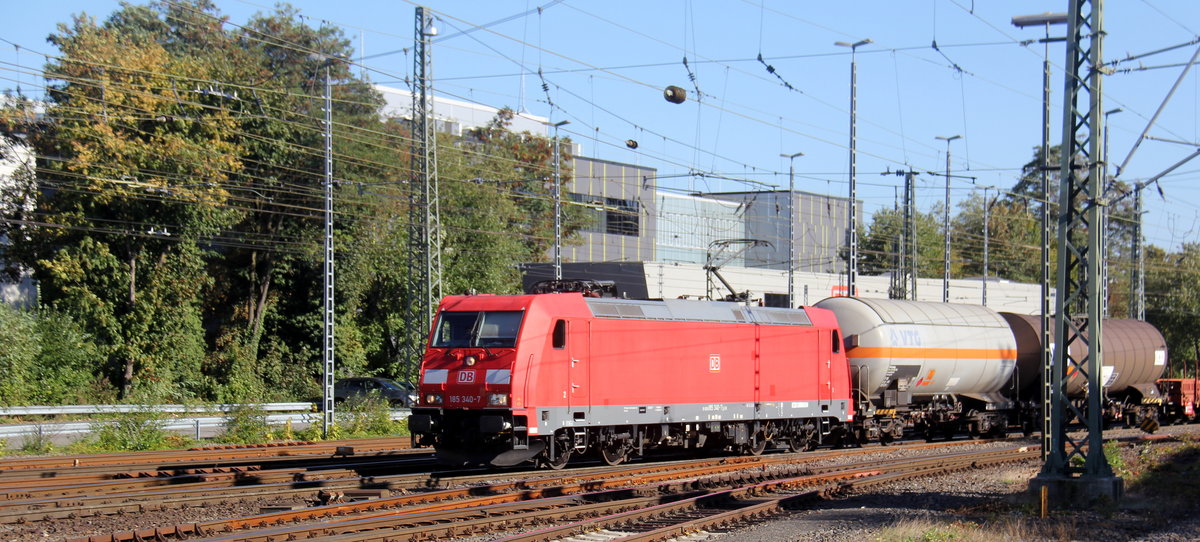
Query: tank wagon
[[544, 377], [1135, 356], [934, 368]]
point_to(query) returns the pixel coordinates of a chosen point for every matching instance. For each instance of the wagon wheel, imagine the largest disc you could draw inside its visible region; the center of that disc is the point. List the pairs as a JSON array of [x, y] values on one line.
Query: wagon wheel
[[614, 453]]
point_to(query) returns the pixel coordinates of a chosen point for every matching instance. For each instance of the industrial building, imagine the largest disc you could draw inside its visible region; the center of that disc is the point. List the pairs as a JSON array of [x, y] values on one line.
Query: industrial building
[[655, 242], [671, 280]]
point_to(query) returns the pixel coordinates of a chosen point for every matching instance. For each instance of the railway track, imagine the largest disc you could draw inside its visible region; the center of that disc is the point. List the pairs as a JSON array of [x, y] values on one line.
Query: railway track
[[37, 467], [45, 489], [445, 506]]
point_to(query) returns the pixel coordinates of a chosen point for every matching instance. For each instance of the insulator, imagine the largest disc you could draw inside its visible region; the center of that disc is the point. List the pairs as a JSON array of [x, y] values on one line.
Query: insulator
[[631, 143], [675, 95]]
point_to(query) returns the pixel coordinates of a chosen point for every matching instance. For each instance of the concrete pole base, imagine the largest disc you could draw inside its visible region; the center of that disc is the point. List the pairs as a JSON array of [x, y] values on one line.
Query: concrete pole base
[[1064, 492]]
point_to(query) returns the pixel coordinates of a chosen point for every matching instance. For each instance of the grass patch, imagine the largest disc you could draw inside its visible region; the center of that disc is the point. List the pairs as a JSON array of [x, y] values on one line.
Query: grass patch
[[1160, 486], [1164, 474], [1003, 530]]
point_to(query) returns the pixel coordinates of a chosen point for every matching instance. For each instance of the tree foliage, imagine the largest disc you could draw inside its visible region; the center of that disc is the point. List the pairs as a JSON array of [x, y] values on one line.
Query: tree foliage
[[174, 217], [176, 212], [1173, 302], [880, 244]]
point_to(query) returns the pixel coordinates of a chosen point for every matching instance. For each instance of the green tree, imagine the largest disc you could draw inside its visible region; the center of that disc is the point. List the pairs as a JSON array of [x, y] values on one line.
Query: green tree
[[879, 245], [1173, 300], [180, 177], [130, 172], [1014, 239]]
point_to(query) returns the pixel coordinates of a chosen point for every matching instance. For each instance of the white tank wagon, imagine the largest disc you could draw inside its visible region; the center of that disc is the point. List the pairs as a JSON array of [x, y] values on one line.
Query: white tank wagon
[[935, 368]]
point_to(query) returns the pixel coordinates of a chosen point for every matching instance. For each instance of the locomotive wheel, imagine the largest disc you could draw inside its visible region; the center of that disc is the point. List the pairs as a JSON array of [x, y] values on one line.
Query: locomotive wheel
[[613, 454], [801, 444], [805, 441], [757, 446], [557, 463]]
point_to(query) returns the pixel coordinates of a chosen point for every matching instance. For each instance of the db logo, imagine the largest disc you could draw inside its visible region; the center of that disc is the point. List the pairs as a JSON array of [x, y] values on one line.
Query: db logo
[[466, 377], [714, 364]]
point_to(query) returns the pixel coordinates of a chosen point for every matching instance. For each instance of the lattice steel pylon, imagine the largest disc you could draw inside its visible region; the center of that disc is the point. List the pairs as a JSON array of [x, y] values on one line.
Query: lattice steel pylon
[[424, 286], [1137, 285], [327, 308], [904, 281], [1076, 470], [910, 230]]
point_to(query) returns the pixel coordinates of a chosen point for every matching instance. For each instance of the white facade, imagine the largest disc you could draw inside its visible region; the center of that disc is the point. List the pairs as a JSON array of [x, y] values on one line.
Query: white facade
[[454, 116], [15, 155], [671, 280]]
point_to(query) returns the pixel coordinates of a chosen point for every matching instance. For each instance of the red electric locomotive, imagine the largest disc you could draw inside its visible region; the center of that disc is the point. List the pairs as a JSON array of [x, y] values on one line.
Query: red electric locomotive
[[543, 377]]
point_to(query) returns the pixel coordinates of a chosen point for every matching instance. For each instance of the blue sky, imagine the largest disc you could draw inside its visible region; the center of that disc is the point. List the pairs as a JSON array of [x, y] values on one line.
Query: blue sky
[[604, 66]]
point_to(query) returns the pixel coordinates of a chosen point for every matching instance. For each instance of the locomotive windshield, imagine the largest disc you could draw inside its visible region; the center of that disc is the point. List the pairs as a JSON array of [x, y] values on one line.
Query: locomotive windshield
[[485, 329]]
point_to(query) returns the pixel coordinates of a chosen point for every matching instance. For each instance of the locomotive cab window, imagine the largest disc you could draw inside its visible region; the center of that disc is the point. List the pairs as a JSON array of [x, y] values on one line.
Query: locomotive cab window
[[837, 342], [560, 334], [483, 329]]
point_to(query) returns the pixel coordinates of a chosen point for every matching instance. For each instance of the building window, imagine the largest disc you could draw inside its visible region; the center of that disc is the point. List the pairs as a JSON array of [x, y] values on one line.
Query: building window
[[593, 209], [622, 217], [610, 215]]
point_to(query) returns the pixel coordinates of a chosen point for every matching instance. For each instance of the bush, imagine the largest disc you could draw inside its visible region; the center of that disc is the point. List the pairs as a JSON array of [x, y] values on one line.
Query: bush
[[366, 416], [247, 424], [47, 358], [18, 357], [66, 361], [135, 431], [40, 442]]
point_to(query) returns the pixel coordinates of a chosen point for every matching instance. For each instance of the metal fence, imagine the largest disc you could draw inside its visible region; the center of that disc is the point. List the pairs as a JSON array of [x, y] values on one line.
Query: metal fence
[[296, 413], [113, 409]]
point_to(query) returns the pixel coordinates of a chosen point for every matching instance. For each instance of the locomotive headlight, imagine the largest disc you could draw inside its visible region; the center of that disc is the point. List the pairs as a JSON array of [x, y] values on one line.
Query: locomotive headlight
[[433, 399], [498, 399], [470, 360]]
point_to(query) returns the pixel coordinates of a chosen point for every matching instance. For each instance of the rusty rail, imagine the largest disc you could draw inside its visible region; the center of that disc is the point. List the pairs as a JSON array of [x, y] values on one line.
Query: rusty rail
[[453, 512]]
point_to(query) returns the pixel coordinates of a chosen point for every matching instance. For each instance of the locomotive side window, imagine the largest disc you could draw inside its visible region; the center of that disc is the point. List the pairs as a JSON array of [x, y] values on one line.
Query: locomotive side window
[[837, 342], [560, 334], [485, 329]]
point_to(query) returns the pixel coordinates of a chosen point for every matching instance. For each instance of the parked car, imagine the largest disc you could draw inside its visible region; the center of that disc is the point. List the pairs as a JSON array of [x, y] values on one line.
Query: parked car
[[400, 394]]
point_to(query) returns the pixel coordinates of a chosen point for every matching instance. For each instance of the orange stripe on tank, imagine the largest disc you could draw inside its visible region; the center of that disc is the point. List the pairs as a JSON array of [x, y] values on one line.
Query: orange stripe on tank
[[930, 353]]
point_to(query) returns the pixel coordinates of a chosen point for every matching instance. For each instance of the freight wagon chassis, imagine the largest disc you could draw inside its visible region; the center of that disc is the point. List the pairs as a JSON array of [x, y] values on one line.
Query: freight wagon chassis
[[939, 417]]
